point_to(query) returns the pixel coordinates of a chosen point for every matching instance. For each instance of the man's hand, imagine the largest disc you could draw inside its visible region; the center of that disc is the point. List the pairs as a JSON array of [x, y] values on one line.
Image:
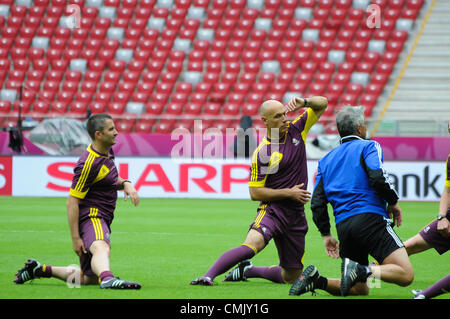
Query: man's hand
[[395, 213], [295, 104], [299, 194], [131, 192], [443, 227], [331, 246], [78, 246]]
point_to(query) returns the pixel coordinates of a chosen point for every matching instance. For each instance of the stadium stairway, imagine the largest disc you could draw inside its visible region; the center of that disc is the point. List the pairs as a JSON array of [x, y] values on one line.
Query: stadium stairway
[[420, 105]]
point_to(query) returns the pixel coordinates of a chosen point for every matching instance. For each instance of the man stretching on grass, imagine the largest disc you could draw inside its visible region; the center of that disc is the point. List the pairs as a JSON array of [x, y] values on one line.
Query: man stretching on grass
[[90, 211], [353, 180], [435, 235], [278, 180]]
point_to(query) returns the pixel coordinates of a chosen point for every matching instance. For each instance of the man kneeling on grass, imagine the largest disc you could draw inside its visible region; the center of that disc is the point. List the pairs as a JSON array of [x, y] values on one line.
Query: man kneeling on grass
[[90, 211], [353, 180]]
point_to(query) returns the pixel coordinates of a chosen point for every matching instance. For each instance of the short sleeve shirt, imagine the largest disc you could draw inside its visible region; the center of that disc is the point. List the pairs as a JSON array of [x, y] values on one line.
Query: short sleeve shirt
[[281, 163], [95, 184]]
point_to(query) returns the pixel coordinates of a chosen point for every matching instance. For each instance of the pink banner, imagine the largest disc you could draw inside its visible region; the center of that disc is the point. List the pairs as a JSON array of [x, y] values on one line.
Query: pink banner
[[136, 144], [415, 148], [29, 148]]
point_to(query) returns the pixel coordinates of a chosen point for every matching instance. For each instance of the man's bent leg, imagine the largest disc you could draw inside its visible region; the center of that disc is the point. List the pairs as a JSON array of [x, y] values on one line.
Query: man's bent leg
[[251, 246], [395, 268], [100, 251]]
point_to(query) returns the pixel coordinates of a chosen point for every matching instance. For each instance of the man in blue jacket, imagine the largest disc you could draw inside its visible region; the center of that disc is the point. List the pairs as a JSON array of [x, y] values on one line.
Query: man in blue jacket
[[353, 180]]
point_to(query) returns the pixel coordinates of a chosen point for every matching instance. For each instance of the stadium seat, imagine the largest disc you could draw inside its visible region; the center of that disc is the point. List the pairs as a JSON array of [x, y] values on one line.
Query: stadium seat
[[5, 107], [348, 99], [231, 109], [163, 127], [250, 108], [186, 48]]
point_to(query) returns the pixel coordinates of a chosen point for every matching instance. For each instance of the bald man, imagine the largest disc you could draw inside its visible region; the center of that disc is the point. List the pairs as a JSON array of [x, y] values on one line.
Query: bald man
[[278, 180]]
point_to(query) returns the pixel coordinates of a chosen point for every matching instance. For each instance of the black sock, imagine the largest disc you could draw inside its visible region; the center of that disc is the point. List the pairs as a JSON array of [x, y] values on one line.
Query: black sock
[[321, 283]]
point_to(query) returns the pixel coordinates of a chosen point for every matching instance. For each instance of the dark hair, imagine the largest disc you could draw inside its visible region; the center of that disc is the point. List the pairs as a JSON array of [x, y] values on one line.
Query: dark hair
[[96, 122]]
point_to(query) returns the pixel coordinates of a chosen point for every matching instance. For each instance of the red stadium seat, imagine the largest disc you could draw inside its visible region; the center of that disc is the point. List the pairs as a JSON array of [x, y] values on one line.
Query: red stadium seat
[[319, 57], [396, 4], [250, 108], [174, 108], [303, 78], [241, 88], [309, 67], [163, 127], [407, 13], [341, 78], [354, 89], [368, 100], [97, 107], [335, 89], [5, 107], [349, 99], [41, 107], [193, 108], [143, 128], [414, 4], [231, 108], [77, 107], [298, 87], [255, 98], [394, 46], [365, 67], [212, 109], [59, 107], [260, 88], [374, 89], [301, 56], [322, 78], [384, 68], [316, 89]]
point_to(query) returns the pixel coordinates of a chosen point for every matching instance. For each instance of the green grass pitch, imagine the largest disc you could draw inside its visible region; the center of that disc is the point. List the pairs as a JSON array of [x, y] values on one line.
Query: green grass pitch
[[165, 243]]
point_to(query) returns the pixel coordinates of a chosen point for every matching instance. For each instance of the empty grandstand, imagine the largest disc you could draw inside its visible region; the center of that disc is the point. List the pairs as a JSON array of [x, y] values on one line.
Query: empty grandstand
[[156, 65]]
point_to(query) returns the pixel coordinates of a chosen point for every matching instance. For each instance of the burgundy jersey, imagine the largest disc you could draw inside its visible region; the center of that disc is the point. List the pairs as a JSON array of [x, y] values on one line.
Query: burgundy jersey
[[95, 184], [281, 163]]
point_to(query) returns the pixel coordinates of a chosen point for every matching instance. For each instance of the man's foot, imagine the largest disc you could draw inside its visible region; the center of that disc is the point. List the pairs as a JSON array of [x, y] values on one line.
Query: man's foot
[[306, 282], [418, 294], [117, 283], [352, 272], [28, 272], [202, 281], [237, 274]]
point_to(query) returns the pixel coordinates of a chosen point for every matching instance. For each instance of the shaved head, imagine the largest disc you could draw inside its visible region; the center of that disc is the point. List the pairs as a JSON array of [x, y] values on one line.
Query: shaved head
[[269, 106], [273, 114]]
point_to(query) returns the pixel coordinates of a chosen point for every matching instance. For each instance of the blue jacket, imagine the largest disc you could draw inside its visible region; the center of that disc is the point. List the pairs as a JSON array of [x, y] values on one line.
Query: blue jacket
[[352, 179]]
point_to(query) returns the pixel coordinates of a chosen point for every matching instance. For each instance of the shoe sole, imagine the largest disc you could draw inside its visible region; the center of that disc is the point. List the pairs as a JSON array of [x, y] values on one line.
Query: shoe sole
[[346, 282], [310, 271], [129, 286], [201, 283]]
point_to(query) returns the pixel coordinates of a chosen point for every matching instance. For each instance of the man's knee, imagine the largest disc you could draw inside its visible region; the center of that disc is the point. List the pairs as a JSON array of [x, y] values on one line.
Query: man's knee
[[255, 239], [407, 278], [290, 275], [100, 246]]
